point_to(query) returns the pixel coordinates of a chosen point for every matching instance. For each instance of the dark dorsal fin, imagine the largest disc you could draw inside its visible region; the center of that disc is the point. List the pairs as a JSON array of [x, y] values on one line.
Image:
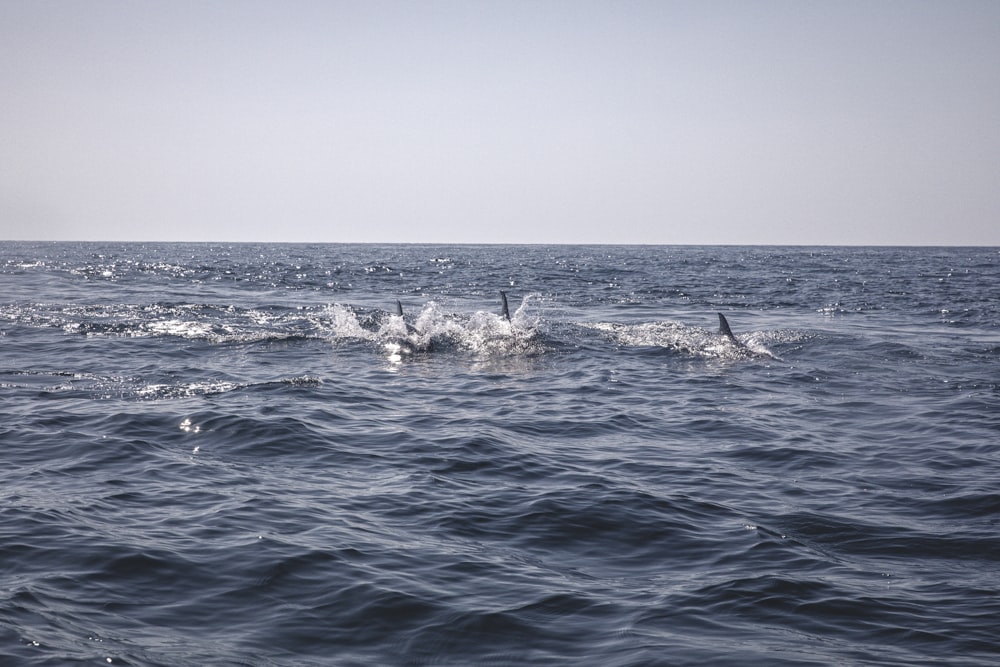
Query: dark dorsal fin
[[506, 311], [410, 329], [725, 330]]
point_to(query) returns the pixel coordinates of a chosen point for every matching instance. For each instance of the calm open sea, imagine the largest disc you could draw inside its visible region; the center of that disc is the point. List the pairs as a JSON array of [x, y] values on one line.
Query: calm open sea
[[217, 454]]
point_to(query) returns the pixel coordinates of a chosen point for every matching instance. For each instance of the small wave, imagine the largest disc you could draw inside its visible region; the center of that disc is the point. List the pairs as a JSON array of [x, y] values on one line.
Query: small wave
[[211, 387], [343, 322], [208, 322], [204, 388], [107, 387]]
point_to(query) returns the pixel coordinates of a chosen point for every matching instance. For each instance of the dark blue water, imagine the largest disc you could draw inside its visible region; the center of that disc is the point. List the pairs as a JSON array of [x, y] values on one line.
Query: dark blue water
[[241, 455]]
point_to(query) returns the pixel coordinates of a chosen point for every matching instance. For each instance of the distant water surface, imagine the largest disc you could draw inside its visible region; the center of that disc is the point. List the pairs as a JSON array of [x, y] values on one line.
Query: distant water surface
[[217, 454]]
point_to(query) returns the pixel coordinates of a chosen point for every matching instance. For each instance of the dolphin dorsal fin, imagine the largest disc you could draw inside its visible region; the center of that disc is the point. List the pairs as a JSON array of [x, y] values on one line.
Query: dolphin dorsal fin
[[399, 308], [506, 310], [725, 330]]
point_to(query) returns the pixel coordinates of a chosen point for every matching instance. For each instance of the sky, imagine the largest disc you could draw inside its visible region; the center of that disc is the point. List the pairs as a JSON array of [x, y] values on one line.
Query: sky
[[705, 122]]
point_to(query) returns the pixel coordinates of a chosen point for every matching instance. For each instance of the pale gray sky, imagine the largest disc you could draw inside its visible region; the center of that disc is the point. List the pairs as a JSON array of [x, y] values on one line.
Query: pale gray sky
[[800, 122]]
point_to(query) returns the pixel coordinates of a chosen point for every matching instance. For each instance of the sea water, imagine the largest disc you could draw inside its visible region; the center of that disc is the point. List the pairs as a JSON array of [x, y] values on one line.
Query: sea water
[[242, 454]]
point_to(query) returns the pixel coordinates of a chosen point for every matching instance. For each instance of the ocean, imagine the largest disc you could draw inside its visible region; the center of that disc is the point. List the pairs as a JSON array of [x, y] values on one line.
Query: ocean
[[242, 454]]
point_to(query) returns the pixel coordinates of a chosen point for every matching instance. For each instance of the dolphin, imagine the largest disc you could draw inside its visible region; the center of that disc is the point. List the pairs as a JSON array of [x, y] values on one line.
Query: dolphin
[[411, 342], [505, 310], [727, 332], [399, 313], [740, 347]]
